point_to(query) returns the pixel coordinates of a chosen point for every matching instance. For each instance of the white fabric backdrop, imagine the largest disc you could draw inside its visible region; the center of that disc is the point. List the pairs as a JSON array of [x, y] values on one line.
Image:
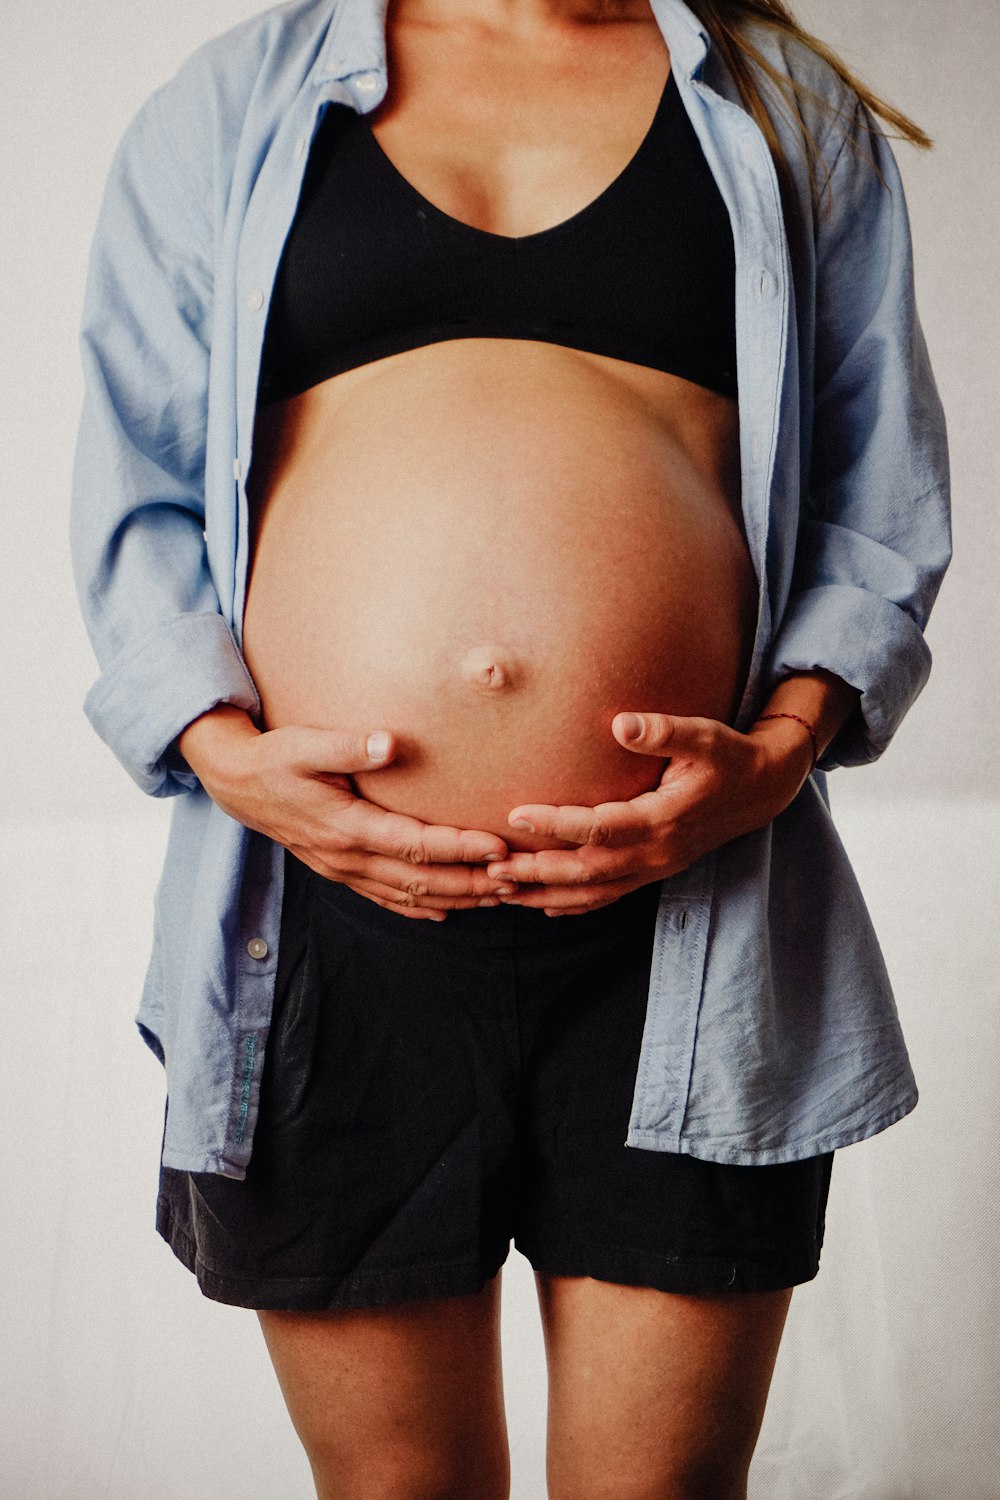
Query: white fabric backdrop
[[118, 1381]]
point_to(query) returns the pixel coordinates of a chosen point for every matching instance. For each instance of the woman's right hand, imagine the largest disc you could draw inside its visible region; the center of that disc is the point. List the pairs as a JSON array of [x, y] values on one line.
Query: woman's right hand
[[292, 784]]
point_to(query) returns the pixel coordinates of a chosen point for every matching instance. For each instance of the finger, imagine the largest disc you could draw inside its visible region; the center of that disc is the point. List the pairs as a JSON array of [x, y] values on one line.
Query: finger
[[609, 824], [338, 750], [397, 834], [564, 866], [436, 883], [419, 892], [572, 900], [576, 911], [418, 913], [668, 734], [410, 906]]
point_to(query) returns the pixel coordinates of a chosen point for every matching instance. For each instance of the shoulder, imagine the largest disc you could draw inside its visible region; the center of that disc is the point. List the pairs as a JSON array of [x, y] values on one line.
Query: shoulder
[[269, 54], [821, 103], [194, 122]]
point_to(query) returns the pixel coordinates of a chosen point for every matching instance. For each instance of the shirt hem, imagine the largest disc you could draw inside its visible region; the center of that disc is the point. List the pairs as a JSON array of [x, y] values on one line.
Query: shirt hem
[[831, 1139], [193, 1161]]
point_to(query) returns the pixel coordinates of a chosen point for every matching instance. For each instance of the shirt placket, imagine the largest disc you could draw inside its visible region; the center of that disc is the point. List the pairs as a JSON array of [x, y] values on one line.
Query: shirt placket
[[686, 911]]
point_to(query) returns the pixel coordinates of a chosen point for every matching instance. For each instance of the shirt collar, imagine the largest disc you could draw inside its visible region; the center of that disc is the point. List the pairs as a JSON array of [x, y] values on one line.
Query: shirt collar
[[355, 41], [683, 33]]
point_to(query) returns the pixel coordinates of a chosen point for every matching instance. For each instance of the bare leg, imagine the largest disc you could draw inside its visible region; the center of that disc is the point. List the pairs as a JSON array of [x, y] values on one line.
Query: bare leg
[[397, 1403], [652, 1395]]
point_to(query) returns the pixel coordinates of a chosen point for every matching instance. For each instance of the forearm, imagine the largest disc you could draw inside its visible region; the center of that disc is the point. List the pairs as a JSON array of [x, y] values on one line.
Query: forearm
[[821, 698], [784, 749], [209, 741]]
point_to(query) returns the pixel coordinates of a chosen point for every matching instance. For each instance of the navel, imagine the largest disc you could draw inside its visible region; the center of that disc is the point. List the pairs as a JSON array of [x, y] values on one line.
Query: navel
[[490, 668]]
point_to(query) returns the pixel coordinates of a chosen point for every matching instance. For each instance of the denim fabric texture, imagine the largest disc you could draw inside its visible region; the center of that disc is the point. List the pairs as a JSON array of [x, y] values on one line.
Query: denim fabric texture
[[771, 1031]]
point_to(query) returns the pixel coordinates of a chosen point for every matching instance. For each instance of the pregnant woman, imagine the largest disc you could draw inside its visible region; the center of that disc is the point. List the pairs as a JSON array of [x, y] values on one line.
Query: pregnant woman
[[511, 475]]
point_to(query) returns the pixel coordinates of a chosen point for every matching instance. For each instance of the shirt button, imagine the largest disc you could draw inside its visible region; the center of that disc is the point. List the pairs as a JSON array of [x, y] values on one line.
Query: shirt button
[[367, 83], [300, 147], [257, 948], [765, 284], [255, 301]]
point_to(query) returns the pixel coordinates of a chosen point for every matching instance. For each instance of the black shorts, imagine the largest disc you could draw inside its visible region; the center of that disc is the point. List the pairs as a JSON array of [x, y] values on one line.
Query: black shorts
[[433, 1089]]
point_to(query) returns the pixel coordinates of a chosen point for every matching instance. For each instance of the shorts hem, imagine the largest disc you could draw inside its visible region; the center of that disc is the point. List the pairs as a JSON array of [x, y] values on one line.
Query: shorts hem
[[354, 1289], [686, 1274]]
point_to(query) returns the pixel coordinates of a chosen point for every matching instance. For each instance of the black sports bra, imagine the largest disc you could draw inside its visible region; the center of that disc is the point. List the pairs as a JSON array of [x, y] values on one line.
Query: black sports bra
[[645, 272]]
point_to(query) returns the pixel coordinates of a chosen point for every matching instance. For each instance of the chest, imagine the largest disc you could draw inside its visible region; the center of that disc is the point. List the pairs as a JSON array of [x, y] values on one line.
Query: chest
[[515, 139]]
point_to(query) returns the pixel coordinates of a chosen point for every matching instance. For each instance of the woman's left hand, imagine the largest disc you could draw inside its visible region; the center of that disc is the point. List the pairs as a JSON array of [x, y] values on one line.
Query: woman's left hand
[[716, 785]]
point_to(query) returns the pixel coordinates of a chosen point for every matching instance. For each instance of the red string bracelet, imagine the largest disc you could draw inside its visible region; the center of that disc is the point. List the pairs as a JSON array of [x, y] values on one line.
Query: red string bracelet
[[805, 725]]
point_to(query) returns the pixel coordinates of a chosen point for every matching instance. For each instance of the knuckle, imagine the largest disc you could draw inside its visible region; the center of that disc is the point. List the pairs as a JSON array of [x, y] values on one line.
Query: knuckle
[[403, 909], [706, 735], [339, 841], [415, 888], [412, 851], [600, 834]]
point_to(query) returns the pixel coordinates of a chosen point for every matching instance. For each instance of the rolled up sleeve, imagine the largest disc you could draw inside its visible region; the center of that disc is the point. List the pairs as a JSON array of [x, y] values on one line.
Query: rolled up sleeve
[[874, 537], [165, 651]]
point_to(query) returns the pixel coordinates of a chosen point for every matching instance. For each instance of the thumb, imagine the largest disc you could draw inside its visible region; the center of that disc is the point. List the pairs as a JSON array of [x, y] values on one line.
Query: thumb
[[651, 734], [342, 750]]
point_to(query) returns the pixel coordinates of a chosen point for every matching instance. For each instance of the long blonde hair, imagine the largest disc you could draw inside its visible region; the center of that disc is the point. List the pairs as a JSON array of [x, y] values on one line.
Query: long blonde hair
[[726, 23]]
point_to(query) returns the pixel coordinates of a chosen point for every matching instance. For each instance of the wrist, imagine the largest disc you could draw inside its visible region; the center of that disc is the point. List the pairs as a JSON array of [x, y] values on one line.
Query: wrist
[[785, 758], [819, 697], [212, 743], [810, 729]]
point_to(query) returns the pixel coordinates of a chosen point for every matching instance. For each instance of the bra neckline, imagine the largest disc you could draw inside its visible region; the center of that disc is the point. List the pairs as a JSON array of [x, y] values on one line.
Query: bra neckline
[[667, 97]]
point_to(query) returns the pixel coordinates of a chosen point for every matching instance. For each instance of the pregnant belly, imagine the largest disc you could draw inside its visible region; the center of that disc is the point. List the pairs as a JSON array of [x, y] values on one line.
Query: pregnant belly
[[492, 569]]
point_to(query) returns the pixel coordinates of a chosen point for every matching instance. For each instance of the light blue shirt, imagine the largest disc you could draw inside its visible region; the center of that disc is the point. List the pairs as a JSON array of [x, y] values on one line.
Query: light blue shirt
[[771, 1030]]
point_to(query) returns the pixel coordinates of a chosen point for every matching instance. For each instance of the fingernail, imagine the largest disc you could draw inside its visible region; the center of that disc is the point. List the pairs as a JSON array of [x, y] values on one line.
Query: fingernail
[[489, 901], [506, 890], [523, 823], [632, 727], [378, 745]]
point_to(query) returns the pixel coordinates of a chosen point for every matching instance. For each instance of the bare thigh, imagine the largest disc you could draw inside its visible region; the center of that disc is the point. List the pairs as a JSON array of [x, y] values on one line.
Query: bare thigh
[[653, 1395], [397, 1403]]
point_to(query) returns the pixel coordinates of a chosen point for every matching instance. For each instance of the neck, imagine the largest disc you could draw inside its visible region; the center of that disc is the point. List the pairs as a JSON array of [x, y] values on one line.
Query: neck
[[520, 16]]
